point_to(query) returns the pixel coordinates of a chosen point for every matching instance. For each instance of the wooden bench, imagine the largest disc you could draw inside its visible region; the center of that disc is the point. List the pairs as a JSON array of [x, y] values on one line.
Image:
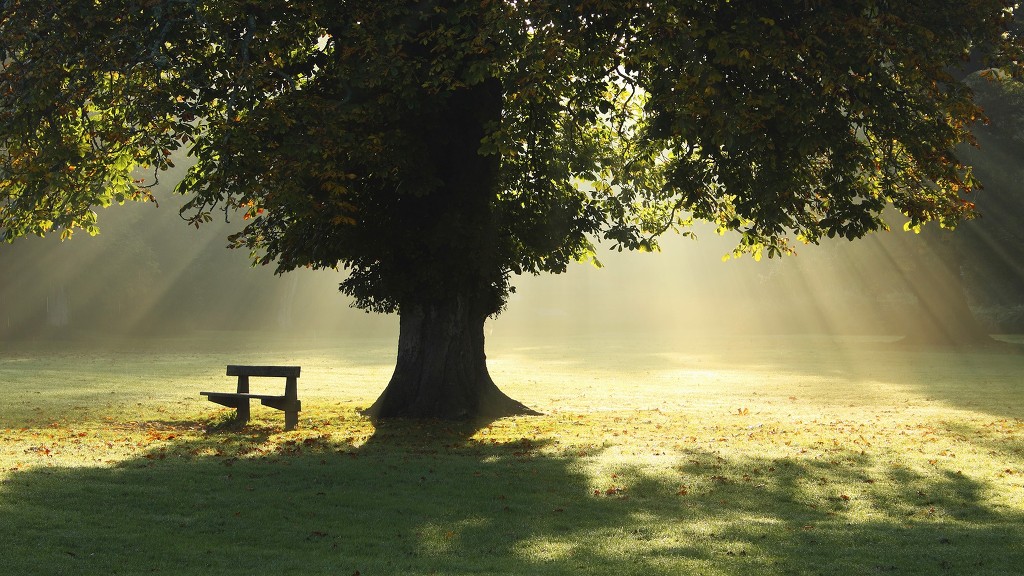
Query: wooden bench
[[239, 399]]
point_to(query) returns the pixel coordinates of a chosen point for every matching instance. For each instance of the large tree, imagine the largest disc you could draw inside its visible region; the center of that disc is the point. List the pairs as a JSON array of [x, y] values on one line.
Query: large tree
[[435, 148]]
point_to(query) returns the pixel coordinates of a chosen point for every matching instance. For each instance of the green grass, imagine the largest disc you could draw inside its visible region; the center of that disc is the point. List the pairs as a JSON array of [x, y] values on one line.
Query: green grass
[[749, 456]]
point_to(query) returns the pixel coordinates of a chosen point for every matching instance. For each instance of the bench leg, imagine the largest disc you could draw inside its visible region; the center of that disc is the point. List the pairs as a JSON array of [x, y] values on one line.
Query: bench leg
[[291, 419], [242, 411]]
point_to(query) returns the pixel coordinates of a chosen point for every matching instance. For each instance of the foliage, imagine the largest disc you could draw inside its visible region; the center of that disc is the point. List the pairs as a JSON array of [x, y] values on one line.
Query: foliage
[[439, 147]]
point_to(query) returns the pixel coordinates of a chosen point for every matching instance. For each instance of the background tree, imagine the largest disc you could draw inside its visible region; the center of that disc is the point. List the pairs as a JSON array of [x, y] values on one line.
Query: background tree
[[966, 284], [989, 248], [971, 283], [435, 148]]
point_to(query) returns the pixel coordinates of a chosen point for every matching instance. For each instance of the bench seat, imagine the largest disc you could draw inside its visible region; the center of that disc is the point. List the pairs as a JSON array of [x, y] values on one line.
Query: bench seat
[[213, 395]]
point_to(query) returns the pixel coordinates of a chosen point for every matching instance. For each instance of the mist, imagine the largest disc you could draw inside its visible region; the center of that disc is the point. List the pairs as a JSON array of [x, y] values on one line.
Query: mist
[[148, 274]]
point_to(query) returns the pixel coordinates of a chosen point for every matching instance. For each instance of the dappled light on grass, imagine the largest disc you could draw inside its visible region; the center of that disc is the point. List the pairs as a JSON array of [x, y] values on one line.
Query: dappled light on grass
[[755, 459], [527, 496]]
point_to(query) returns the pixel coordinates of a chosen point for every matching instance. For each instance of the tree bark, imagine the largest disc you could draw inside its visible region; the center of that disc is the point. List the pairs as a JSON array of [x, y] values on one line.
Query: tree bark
[[441, 371]]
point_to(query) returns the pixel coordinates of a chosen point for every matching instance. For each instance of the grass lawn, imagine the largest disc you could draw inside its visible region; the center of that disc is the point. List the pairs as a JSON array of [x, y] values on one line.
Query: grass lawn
[[760, 456]]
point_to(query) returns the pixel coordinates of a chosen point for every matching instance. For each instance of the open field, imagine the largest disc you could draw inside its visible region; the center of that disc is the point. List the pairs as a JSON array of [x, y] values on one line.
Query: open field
[[792, 455]]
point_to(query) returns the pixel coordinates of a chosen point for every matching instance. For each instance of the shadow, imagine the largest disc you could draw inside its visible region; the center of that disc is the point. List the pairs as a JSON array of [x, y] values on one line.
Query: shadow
[[417, 498], [408, 433]]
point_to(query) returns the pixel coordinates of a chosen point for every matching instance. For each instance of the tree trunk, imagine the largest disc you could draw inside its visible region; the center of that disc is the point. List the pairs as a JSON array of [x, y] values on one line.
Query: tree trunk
[[441, 370], [449, 268]]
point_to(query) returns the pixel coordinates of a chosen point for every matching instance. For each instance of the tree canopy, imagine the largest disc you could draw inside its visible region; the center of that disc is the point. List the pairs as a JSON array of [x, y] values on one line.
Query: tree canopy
[[435, 148]]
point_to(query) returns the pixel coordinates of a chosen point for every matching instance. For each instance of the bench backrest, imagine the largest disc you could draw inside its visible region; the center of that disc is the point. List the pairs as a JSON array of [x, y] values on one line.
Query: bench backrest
[[268, 371]]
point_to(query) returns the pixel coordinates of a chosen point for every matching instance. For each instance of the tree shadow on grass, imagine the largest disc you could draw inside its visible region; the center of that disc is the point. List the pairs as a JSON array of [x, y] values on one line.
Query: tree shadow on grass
[[420, 499]]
